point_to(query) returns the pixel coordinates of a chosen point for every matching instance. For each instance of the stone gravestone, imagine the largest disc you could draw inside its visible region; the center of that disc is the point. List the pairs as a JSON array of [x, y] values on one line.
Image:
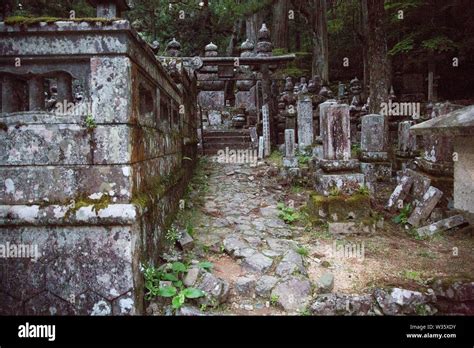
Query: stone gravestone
[[261, 144], [336, 170], [290, 160], [266, 129], [374, 159], [304, 108], [406, 140], [322, 113]]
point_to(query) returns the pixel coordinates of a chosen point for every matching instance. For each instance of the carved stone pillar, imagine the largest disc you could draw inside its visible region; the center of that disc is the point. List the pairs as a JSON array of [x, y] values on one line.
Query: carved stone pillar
[[36, 94], [64, 88]]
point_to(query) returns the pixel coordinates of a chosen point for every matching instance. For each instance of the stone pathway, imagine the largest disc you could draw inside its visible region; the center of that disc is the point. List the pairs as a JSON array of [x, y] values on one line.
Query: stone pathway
[[260, 260]]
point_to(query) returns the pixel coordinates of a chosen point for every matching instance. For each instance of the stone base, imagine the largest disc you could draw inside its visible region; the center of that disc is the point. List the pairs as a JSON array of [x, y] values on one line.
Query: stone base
[[337, 165], [374, 156], [355, 208], [376, 171], [345, 228], [346, 183], [290, 162], [79, 270]]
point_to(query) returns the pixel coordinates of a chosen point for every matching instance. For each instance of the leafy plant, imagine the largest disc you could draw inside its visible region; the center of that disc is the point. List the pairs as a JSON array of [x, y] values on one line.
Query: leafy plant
[[90, 122], [303, 251], [334, 191], [172, 235], [287, 214], [363, 190], [172, 273], [412, 275], [402, 218], [274, 299]]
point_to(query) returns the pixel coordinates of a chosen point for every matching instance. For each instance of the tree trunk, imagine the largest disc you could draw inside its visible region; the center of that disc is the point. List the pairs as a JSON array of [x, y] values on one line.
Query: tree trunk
[[364, 38], [378, 62], [279, 30], [252, 25], [320, 64]]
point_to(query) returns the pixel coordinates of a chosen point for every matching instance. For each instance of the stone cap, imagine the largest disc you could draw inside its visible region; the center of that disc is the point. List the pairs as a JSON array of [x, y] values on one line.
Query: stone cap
[[458, 122]]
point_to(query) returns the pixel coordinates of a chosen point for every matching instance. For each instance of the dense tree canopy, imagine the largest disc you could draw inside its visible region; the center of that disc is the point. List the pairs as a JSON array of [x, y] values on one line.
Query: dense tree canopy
[[418, 33]]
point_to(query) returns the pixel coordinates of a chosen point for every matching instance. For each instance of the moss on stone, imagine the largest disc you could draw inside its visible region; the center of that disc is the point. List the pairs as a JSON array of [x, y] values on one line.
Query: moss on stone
[[97, 204], [25, 20]]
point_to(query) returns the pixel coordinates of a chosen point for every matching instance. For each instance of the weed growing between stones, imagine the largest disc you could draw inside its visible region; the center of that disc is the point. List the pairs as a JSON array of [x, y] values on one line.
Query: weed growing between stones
[[287, 214], [402, 218], [167, 281]]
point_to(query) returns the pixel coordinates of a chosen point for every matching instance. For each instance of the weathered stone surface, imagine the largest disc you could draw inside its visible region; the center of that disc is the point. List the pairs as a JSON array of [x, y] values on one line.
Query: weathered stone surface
[[406, 139], [191, 276], [325, 283], [400, 301], [441, 225], [291, 262], [245, 286], [424, 209], [186, 241], [421, 183], [400, 192], [304, 107], [293, 294], [346, 183], [376, 171], [264, 285], [372, 137], [342, 304], [257, 262], [216, 289], [335, 128]]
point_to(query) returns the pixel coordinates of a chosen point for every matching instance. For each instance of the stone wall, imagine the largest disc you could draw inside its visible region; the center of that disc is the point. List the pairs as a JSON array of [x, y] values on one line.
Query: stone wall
[[93, 191], [464, 174]]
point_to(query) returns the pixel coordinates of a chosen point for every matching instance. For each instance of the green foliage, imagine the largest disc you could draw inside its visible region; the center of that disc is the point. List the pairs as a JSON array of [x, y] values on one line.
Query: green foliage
[[403, 46], [439, 43], [334, 191], [90, 122], [363, 190], [302, 251], [402, 217], [172, 235], [412, 275], [276, 158], [274, 299], [287, 214], [173, 273]]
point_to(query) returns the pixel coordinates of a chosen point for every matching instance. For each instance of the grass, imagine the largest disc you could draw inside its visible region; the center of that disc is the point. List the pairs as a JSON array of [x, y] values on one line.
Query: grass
[[412, 275], [276, 158], [303, 251]]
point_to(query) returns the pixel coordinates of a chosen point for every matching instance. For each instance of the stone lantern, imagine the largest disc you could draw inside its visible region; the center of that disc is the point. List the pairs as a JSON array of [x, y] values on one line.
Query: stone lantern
[[110, 8]]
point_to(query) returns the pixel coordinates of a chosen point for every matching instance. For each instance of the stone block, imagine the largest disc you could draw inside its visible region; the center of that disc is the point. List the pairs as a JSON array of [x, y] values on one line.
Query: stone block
[[111, 94], [400, 192], [346, 183], [441, 225], [376, 171], [426, 206], [339, 208], [337, 165]]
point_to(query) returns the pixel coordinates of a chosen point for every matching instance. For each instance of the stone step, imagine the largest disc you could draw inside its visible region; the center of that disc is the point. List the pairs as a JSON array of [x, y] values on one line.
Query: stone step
[[227, 140], [226, 133], [214, 150]]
